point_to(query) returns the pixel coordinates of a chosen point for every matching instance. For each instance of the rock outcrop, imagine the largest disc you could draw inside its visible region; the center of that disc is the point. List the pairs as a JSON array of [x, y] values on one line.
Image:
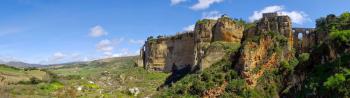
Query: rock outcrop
[[227, 30], [271, 22], [203, 37], [164, 52], [191, 49], [275, 43], [275, 40]]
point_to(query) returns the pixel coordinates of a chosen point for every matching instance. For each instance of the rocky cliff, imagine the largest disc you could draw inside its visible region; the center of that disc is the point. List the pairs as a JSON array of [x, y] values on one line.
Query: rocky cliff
[[273, 43], [268, 59], [165, 52], [191, 49]]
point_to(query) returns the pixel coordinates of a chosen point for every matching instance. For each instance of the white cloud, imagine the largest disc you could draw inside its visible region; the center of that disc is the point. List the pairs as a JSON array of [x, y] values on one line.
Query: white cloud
[[105, 46], [175, 2], [58, 56], [204, 4], [205, 15], [211, 15], [297, 17], [132, 41], [61, 57], [189, 28], [97, 31], [125, 52]]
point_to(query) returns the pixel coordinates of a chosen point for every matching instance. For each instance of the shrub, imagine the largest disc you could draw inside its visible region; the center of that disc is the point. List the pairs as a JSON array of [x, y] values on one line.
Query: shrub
[[34, 80], [198, 87], [335, 81], [294, 62], [289, 65], [304, 57], [30, 68], [236, 86]]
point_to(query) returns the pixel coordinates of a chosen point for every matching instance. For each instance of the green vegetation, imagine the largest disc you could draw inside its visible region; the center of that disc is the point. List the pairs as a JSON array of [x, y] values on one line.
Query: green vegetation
[[103, 78], [342, 36], [304, 57], [151, 40], [229, 47], [332, 22], [195, 84], [203, 21], [289, 65], [51, 87], [330, 79]]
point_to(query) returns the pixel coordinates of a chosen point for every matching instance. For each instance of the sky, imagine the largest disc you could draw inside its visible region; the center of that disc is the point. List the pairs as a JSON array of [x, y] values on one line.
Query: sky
[[59, 31]]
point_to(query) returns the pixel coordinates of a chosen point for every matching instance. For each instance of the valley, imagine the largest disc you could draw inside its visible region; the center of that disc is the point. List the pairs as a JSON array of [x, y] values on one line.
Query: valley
[[108, 78]]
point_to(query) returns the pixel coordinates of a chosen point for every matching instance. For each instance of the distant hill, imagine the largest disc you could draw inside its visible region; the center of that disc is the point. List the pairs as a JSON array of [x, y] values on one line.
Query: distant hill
[[20, 64]]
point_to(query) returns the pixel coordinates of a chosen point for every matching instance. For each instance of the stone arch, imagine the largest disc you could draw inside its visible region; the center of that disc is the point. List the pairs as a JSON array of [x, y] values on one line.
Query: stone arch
[[303, 39]]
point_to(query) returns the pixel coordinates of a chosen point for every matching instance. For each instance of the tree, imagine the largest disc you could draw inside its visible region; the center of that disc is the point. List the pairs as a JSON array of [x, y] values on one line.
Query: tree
[[344, 20]]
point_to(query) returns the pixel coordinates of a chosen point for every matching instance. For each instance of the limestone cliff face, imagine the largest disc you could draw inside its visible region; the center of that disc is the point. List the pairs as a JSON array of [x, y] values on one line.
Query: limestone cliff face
[[213, 54], [203, 37], [226, 30], [155, 54], [255, 59], [191, 49], [275, 44], [180, 51], [165, 52]]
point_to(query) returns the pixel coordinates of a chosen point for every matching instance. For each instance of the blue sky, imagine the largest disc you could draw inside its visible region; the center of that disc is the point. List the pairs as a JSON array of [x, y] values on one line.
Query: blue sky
[[57, 31]]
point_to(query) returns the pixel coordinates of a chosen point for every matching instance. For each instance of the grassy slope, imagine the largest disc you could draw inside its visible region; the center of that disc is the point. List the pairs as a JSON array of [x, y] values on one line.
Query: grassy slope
[[10, 76], [13, 75], [101, 78]]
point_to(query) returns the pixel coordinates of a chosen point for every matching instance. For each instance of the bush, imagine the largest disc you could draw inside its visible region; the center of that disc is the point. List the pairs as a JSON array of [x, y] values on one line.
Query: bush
[[236, 86], [289, 65], [34, 80], [30, 68], [335, 81], [304, 57]]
